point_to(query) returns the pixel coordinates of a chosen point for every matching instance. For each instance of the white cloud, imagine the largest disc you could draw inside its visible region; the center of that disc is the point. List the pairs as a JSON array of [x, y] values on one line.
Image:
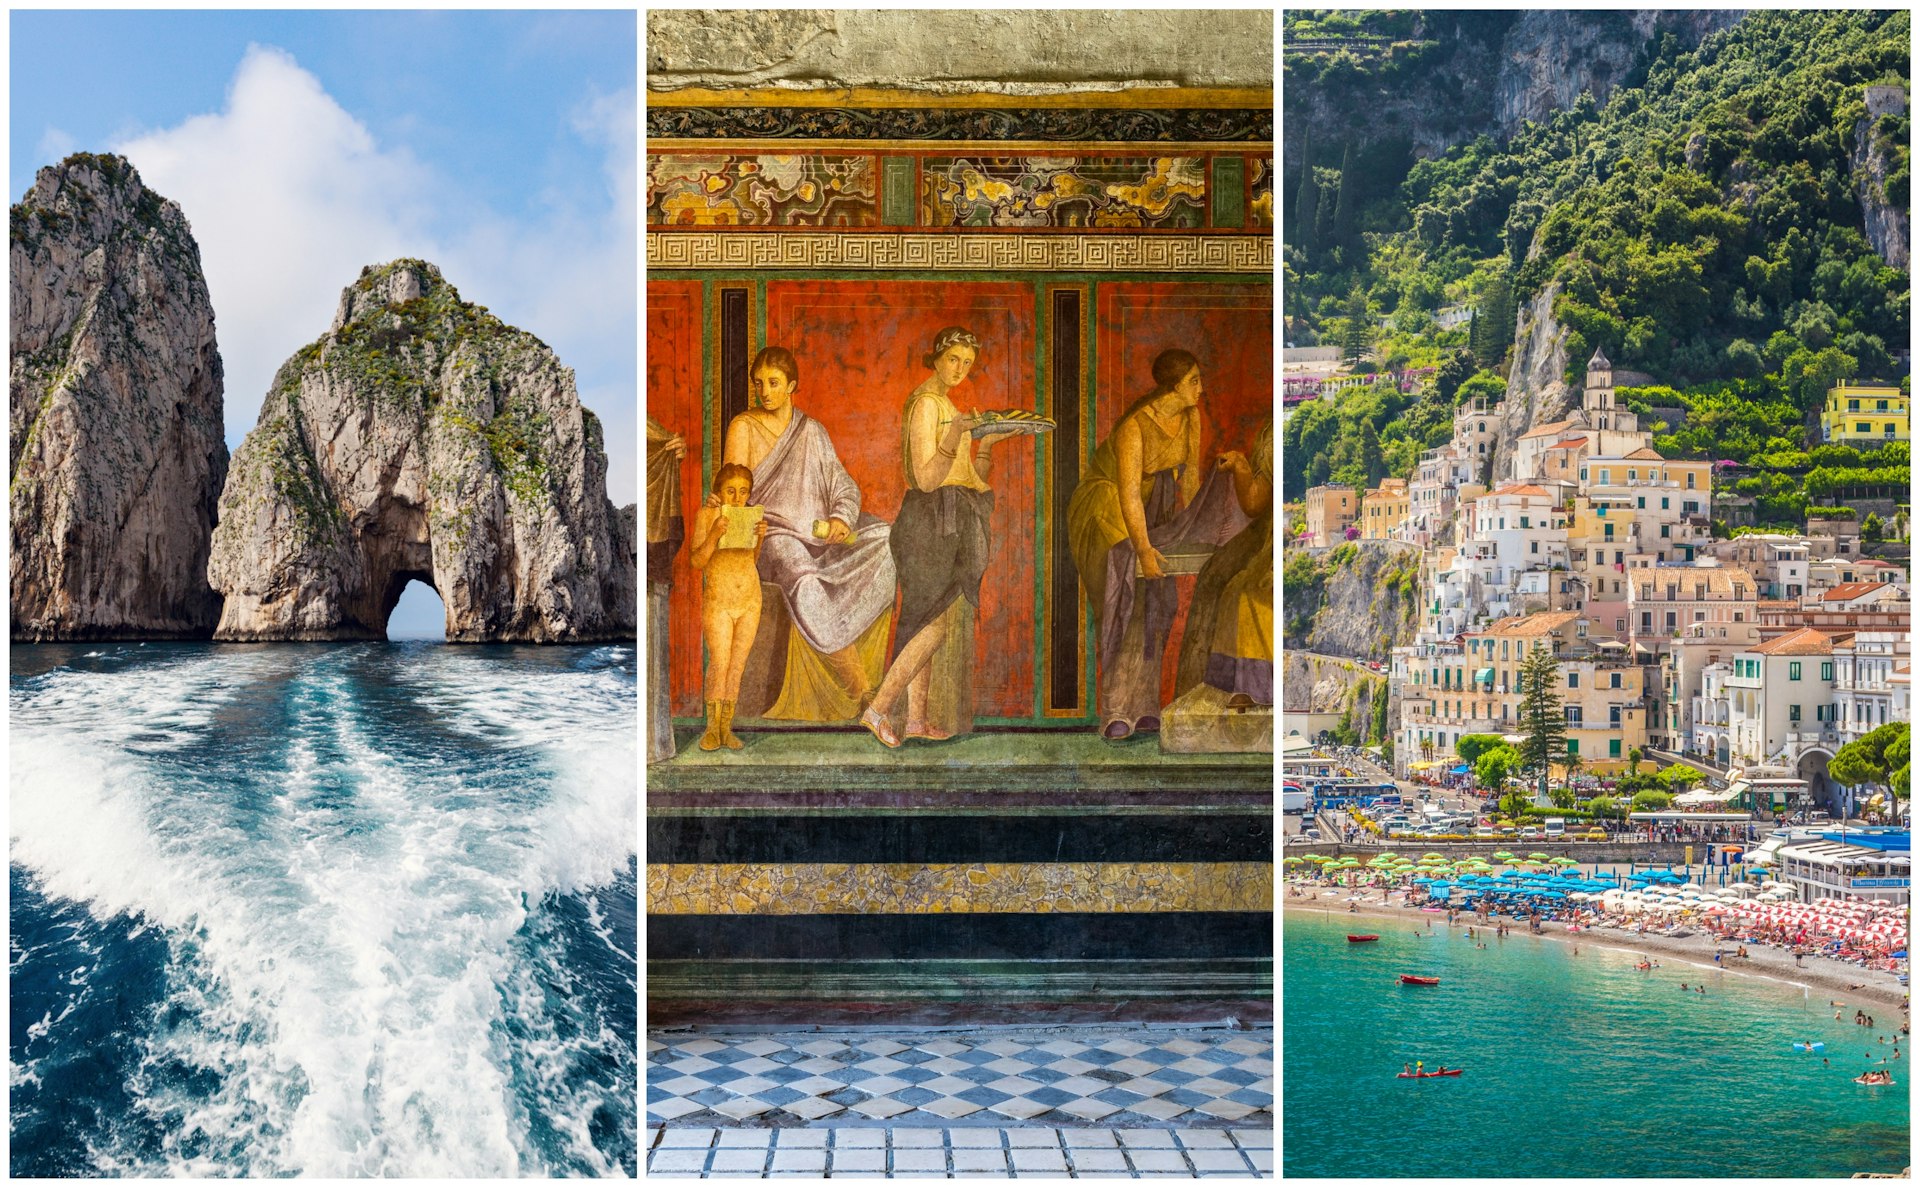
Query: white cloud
[[290, 195], [55, 144]]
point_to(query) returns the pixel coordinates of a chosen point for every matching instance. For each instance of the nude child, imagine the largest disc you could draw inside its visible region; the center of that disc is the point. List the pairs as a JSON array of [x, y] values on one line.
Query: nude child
[[730, 602]]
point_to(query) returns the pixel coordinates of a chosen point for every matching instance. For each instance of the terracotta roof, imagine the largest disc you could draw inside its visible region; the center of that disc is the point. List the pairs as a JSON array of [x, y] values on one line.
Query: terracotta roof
[[1717, 581], [1870, 563], [1520, 489], [1644, 452], [1776, 604], [1544, 430], [1544, 623], [1848, 591], [1572, 443], [1804, 642]]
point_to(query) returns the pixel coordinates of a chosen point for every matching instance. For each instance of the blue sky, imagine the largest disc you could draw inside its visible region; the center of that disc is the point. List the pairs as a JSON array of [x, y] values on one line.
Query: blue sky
[[303, 145]]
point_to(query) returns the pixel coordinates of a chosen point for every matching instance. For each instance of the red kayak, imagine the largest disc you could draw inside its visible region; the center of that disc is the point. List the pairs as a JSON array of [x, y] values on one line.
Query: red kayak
[[1446, 1072], [1352, 939], [1410, 980]]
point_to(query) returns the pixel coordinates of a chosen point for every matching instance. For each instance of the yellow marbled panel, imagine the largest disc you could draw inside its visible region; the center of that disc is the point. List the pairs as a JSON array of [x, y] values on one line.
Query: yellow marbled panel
[[873, 888]]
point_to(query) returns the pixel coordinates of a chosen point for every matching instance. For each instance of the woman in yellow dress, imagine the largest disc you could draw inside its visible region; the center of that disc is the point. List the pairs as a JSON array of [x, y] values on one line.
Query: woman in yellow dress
[[1146, 471], [1229, 635]]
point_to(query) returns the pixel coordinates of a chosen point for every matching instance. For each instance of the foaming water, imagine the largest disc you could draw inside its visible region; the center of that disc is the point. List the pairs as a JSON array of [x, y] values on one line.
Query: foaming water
[[1577, 1065], [369, 910]]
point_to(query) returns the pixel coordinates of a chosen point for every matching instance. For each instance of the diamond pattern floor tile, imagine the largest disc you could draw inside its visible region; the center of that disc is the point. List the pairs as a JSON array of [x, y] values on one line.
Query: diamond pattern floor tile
[[1066, 1077]]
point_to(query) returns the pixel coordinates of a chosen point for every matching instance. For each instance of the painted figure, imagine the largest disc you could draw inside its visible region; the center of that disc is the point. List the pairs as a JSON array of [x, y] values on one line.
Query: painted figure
[[730, 598], [1228, 642], [666, 528], [830, 562], [940, 542], [1141, 477]]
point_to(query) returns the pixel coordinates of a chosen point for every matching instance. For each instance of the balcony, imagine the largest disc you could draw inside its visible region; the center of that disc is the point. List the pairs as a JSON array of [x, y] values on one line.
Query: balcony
[[1813, 738]]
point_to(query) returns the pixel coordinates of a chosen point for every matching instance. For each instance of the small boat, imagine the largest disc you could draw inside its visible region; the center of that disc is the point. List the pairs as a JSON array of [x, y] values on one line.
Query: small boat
[[1354, 939], [1445, 1072], [1410, 980], [1861, 1080]]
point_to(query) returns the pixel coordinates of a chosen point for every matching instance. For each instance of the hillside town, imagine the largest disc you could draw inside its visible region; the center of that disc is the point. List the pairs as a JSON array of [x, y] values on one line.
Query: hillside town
[[1752, 659]]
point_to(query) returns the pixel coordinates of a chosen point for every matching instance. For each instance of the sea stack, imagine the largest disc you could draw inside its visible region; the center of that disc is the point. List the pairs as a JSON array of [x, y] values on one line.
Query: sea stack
[[118, 448], [423, 438]]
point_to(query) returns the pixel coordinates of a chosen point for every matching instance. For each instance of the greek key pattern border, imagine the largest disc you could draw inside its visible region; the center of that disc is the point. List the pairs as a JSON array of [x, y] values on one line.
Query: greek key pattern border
[[999, 253]]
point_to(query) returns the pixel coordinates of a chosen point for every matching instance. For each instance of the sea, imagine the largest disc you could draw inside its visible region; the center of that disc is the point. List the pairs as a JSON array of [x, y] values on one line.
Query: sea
[[322, 909], [1575, 1064]]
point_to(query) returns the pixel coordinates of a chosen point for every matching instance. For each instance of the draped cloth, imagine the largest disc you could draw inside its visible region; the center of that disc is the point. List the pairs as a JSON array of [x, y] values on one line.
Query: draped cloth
[[835, 592], [666, 525], [1213, 518], [1230, 632]]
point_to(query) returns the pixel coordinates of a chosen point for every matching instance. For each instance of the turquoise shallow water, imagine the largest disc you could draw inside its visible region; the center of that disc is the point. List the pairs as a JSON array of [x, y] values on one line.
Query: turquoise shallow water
[[1576, 1065]]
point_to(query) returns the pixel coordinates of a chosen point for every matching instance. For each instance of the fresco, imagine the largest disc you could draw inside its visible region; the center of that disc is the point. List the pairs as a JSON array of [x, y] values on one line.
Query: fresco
[[1003, 397], [784, 190]]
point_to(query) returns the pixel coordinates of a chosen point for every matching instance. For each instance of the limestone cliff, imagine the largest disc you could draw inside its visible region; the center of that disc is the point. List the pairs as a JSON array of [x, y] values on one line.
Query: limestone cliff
[[1359, 599], [1550, 56], [1467, 73], [116, 437], [1537, 389], [421, 437], [1886, 224]]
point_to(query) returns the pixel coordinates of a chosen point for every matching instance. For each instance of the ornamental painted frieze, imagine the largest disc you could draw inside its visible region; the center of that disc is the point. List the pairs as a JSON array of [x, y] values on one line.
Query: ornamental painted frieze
[[962, 251], [721, 190], [837, 123], [1260, 209], [978, 191]]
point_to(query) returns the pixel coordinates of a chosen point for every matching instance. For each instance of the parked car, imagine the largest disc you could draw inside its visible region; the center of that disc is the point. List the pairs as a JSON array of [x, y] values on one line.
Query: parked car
[[1595, 835]]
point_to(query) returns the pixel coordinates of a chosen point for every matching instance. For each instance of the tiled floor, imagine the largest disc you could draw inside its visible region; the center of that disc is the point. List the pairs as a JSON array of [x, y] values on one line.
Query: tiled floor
[[849, 1152], [1118, 1077]]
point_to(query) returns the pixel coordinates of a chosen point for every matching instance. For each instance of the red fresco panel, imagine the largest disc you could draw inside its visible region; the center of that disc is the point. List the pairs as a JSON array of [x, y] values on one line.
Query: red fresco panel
[[1230, 329], [675, 340], [859, 345]]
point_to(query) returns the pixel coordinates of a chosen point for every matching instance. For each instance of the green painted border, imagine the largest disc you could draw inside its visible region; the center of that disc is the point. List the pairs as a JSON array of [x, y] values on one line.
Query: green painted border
[[1229, 191], [961, 979]]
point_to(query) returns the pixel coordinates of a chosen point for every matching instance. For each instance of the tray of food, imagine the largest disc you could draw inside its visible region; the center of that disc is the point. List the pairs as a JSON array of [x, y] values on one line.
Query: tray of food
[[1011, 420]]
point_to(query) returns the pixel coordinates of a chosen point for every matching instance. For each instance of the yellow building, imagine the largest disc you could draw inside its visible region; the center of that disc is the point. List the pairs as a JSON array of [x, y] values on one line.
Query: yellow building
[[1384, 509], [1864, 413], [1330, 511]]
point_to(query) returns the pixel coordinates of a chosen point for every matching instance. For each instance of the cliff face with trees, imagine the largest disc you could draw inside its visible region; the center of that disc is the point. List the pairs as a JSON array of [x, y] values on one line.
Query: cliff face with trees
[[423, 438], [116, 435], [1725, 216]]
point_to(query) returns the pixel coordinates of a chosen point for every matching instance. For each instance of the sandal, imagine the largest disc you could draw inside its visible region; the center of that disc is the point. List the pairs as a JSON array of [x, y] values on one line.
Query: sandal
[[881, 728], [922, 730]]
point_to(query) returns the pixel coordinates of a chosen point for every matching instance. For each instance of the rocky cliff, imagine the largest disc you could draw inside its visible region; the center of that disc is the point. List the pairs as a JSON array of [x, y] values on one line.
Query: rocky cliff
[[1358, 599], [1537, 389], [116, 436], [423, 438], [1886, 223], [1550, 56], [1470, 73]]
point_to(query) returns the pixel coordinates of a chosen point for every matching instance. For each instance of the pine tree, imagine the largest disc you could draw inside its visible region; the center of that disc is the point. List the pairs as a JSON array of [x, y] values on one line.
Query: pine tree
[[1359, 334], [1542, 720], [1497, 312], [1343, 211], [1306, 206], [1477, 338], [1371, 455]]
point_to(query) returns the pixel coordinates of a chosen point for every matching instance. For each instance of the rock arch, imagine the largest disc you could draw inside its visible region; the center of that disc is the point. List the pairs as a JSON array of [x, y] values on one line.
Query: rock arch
[[422, 438]]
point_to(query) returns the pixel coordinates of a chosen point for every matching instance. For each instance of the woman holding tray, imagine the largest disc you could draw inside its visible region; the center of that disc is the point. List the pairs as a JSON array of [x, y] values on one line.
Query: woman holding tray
[[940, 546]]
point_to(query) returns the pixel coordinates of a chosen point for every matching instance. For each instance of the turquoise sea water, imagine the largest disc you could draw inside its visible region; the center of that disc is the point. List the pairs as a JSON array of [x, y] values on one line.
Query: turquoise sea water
[[1575, 1065]]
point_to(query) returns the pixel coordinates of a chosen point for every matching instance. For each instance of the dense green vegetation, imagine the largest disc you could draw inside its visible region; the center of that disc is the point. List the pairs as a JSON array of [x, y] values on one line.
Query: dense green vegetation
[[1704, 226]]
